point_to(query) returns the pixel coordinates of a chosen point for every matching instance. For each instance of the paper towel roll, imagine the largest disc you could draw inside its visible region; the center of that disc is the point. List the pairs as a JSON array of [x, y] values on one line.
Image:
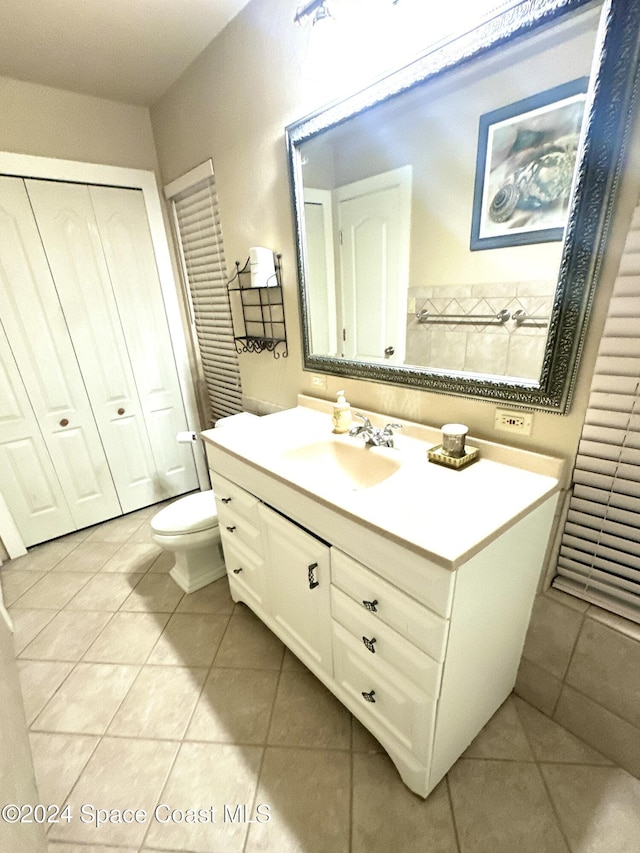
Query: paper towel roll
[[186, 437], [262, 264]]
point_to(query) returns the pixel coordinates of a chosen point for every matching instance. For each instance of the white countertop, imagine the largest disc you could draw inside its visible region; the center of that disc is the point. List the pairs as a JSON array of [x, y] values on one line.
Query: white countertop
[[448, 514]]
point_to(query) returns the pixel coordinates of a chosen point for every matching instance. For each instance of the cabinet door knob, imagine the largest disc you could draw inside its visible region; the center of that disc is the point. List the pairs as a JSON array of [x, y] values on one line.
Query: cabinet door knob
[[370, 644], [226, 500], [121, 411], [64, 422], [371, 605], [313, 583], [231, 528], [237, 571], [368, 697]]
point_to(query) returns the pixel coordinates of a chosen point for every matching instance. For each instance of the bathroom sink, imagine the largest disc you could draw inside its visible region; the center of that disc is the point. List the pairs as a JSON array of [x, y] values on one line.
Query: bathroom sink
[[345, 466]]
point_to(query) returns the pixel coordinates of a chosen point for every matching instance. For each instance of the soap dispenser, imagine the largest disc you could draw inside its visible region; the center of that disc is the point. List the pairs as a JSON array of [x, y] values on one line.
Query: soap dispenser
[[341, 414]]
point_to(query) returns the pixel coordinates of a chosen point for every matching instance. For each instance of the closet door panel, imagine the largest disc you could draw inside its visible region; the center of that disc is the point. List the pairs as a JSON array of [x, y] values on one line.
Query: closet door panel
[[39, 340], [72, 244], [29, 483], [124, 231]]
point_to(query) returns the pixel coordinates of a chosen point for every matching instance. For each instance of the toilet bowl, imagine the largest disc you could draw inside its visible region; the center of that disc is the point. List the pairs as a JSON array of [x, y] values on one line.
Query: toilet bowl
[[188, 527]]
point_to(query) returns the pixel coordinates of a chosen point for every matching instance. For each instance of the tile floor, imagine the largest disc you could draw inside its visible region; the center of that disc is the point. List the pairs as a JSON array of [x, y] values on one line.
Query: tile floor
[[137, 696]]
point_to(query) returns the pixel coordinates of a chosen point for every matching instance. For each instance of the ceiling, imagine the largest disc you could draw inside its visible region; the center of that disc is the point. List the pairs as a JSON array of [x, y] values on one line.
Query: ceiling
[[124, 50]]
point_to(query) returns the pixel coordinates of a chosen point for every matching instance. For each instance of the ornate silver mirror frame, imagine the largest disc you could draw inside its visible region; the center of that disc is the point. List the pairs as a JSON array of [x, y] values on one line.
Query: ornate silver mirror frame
[[599, 166]]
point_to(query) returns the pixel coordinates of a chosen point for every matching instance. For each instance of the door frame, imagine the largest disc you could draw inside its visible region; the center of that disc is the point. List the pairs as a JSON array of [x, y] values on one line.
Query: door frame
[[32, 166]]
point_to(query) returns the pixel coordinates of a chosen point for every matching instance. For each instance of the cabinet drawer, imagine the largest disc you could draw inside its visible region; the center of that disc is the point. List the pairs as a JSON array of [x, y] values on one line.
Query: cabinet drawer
[[234, 527], [393, 702], [246, 573], [416, 623], [383, 643], [231, 497]]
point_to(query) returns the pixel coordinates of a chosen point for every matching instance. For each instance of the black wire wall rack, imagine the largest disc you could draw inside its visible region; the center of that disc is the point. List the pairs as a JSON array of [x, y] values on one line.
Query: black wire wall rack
[[257, 313]]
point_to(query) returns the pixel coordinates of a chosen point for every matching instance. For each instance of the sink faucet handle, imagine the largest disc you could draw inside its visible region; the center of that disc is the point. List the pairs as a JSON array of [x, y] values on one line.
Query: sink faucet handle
[[392, 426], [367, 422]]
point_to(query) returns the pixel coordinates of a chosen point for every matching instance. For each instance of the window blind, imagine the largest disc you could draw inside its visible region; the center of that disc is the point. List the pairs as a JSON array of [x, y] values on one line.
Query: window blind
[[194, 202], [599, 559]]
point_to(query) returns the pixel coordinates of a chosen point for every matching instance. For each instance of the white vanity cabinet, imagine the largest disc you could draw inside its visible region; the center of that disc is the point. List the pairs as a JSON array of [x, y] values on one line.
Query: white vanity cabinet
[[242, 542], [299, 588], [422, 652]]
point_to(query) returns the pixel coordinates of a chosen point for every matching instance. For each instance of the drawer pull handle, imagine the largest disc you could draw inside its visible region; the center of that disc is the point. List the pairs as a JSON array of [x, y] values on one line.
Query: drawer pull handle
[[313, 583], [64, 422], [226, 500], [369, 643], [237, 571], [368, 697], [371, 605], [231, 528]]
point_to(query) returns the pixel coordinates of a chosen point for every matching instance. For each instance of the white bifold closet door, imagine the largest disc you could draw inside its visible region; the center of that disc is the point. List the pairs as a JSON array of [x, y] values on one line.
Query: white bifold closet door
[[93, 318], [102, 262], [53, 470]]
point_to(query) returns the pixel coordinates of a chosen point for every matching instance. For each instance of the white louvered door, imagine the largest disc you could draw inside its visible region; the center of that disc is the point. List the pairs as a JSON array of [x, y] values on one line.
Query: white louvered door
[[37, 335], [599, 557]]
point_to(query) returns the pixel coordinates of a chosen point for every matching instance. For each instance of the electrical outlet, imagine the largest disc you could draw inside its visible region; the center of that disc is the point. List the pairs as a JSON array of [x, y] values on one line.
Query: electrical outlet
[[520, 422], [319, 382]]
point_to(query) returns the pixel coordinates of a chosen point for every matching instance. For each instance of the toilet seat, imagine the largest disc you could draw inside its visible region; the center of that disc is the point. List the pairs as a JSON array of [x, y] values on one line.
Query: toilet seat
[[190, 514]]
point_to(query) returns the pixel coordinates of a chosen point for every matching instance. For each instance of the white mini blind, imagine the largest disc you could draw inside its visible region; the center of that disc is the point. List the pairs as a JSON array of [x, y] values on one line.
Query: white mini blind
[[194, 202], [599, 558]]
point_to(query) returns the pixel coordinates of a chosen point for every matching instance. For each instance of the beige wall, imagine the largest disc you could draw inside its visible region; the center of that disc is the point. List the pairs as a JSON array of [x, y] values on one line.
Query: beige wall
[[232, 105], [47, 122]]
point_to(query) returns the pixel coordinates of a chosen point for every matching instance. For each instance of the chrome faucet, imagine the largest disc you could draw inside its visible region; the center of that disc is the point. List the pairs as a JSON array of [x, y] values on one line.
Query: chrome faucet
[[373, 436]]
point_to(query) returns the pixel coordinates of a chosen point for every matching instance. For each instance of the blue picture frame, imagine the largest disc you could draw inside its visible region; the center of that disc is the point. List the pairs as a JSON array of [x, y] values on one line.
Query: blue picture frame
[[525, 165]]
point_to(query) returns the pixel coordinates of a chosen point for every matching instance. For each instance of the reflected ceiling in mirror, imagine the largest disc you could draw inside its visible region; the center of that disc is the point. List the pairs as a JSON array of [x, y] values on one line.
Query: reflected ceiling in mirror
[[450, 219]]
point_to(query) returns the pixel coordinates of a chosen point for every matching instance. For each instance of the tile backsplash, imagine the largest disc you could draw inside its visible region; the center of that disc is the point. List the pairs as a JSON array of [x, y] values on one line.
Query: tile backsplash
[[512, 348]]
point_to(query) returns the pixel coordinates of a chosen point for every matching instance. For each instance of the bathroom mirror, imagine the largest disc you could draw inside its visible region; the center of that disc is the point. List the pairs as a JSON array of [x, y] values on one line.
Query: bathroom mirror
[[451, 219]]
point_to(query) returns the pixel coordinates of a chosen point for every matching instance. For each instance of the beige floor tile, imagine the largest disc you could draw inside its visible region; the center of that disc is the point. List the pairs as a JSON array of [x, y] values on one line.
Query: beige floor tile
[[596, 725], [189, 640], [121, 774], [388, 816], [598, 807], [213, 598], [58, 760], [502, 807], [248, 644], [160, 703], [105, 592], [27, 624], [551, 742], [117, 530], [67, 636], [235, 706], [143, 533], [154, 594], [308, 793], [128, 638], [502, 737], [39, 680], [291, 662], [305, 713], [132, 557], [207, 775], [62, 847], [163, 564], [54, 590], [87, 701], [42, 558], [602, 654], [15, 583], [362, 740], [87, 557]]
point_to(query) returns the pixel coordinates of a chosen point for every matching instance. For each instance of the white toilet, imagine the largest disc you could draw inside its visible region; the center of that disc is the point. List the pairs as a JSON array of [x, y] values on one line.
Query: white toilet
[[189, 528]]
